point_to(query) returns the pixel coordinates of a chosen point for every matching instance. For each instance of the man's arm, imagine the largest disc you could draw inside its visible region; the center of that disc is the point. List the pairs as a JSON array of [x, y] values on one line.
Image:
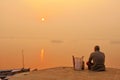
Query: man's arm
[[90, 58]]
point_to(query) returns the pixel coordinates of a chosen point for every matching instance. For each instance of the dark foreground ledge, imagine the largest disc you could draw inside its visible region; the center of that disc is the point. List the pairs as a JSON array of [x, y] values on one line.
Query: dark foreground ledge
[[68, 73]]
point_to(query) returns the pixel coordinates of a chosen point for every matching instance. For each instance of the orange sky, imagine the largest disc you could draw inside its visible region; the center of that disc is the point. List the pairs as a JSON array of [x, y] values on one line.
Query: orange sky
[[71, 27]]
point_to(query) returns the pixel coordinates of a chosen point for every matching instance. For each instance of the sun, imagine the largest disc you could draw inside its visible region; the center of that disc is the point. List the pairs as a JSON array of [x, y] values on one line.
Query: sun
[[43, 19]]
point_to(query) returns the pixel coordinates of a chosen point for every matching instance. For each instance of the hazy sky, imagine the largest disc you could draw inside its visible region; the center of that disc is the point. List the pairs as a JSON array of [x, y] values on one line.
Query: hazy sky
[[71, 27]]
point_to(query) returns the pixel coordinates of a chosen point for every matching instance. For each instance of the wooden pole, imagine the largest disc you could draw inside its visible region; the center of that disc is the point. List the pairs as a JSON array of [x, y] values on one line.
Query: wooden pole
[[23, 58]]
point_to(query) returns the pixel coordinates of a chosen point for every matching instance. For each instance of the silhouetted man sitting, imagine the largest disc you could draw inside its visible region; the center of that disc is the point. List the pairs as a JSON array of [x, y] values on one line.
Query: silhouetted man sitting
[[96, 60]]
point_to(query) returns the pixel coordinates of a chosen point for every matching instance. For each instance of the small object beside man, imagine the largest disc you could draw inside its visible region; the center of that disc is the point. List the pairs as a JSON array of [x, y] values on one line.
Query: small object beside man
[[78, 63]]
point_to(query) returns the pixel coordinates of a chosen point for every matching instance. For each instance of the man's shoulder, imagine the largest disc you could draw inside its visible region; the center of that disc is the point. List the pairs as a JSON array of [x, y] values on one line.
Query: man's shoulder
[[96, 52], [93, 53], [101, 52]]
